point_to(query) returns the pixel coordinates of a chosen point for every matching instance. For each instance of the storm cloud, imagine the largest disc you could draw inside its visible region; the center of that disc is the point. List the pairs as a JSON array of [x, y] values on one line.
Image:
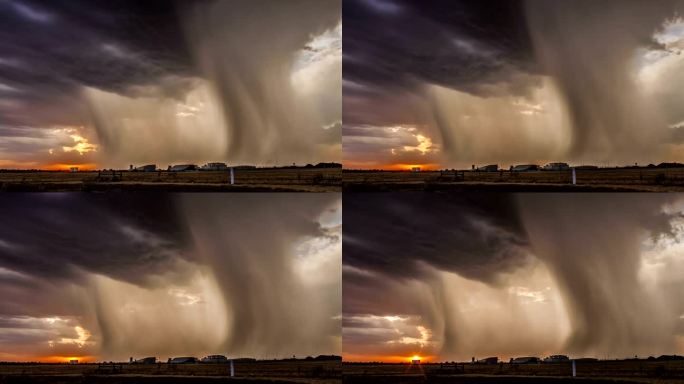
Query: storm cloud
[[583, 274], [85, 275], [115, 74], [511, 82]]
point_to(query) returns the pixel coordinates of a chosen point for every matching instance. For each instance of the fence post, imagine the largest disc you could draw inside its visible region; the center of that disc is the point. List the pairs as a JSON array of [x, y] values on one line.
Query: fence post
[[574, 369]]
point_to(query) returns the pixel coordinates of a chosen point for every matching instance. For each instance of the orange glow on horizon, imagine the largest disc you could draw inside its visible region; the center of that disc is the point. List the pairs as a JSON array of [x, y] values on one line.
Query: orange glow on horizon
[[66, 359], [409, 167], [48, 359], [387, 359], [393, 167], [66, 167]]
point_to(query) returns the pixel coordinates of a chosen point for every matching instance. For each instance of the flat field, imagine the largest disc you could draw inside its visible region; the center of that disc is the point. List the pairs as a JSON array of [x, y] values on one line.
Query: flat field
[[598, 372], [255, 373], [251, 180], [604, 179]]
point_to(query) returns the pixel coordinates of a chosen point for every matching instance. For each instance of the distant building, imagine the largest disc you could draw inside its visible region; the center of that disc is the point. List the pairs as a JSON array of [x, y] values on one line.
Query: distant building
[[556, 167], [488, 168], [145, 168], [214, 359], [524, 168], [525, 360], [73, 169], [489, 360], [415, 361], [556, 359], [415, 169], [214, 167], [183, 168], [183, 360], [145, 360], [73, 361]]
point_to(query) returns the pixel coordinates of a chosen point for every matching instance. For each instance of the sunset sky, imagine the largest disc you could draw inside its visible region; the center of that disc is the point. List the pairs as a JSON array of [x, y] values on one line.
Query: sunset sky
[[457, 83], [451, 277], [108, 84], [103, 278]]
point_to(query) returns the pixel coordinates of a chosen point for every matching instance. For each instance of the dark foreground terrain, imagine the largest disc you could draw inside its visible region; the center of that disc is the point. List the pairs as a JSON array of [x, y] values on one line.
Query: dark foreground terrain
[[251, 180], [595, 372], [589, 180], [281, 372]]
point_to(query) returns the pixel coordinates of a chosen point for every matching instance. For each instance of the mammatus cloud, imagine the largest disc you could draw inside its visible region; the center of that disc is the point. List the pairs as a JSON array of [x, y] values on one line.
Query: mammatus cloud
[[583, 275], [86, 275]]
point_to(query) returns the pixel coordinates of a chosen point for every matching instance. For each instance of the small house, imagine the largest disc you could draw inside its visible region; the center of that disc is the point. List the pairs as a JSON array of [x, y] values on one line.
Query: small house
[[524, 168], [215, 167], [183, 360], [556, 359], [556, 167], [525, 360], [214, 359], [488, 168], [489, 360], [183, 168], [146, 168]]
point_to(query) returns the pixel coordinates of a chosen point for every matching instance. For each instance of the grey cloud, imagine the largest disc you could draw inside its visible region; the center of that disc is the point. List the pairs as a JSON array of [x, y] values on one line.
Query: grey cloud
[[456, 233], [56, 236]]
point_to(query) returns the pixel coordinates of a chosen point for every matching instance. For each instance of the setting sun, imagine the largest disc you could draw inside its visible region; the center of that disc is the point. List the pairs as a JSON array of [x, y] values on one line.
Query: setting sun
[[411, 167], [67, 167]]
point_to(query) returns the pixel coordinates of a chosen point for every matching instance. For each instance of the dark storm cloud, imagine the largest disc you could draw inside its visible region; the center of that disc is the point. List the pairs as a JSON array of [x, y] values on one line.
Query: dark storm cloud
[[48, 49], [477, 236], [57, 237], [391, 240], [399, 45]]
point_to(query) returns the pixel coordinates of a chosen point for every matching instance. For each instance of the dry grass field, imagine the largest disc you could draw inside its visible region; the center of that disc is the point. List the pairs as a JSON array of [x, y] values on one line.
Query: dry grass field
[[605, 179], [260, 372], [587, 372], [252, 180]]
